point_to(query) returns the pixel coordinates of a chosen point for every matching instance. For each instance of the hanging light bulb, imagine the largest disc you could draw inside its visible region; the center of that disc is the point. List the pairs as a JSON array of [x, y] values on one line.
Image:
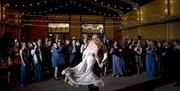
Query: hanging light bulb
[[45, 1]]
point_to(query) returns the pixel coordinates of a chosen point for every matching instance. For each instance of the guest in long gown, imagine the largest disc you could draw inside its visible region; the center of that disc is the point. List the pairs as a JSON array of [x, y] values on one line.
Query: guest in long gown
[[138, 56], [24, 55], [61, 56], [84, 73], [117, 61], [159, 52], [37, 60], [66, 53], [150, 58]]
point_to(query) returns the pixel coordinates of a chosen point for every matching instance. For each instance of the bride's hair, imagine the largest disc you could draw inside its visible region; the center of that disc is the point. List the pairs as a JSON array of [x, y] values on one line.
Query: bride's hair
[[99, 44]]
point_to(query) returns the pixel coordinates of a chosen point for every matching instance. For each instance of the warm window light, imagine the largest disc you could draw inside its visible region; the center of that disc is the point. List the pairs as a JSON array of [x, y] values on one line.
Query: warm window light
[[166, 11], [138, 19], [166, 1], [58, 27]]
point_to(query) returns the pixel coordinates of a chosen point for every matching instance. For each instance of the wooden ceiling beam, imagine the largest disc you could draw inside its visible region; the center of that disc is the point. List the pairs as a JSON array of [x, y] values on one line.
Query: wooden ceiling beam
[[134, 4]]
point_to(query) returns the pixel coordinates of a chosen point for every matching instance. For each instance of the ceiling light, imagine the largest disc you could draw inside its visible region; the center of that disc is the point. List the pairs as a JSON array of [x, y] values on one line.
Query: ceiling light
[[56, 8], [79, 4], [23, 5], [84, 6], [45, 1], [108, 4], [15, 5], [38, 3], [102, 3], [70, 1], [99, 12], [115, 6], [30, 4], [39, 12], [95, 0], [94, 11], [89, 9], [127, 8], [61, 6], [75, 2], [45, 11], [50, 9], [66, 4]]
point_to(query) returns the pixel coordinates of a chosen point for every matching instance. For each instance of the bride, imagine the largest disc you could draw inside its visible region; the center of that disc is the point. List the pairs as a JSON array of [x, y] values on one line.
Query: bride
[[83, 73]]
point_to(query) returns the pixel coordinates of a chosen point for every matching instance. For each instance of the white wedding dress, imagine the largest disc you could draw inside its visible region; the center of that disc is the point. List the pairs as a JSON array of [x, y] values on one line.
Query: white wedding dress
[[83, 74]]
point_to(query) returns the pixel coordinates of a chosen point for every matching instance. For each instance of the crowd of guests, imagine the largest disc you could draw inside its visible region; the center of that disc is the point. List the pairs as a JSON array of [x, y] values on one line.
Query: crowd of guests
[[40, 60]]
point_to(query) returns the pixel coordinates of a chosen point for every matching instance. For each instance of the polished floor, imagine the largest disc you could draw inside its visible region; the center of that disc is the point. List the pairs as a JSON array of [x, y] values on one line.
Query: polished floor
[[129, 83]]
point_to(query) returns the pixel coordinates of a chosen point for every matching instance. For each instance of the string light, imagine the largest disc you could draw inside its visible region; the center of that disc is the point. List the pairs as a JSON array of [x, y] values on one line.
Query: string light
[[45, 1], [30, 4]]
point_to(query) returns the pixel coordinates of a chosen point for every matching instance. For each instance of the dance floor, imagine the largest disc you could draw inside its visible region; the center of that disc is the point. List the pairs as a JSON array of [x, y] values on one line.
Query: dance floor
[[137, 82]]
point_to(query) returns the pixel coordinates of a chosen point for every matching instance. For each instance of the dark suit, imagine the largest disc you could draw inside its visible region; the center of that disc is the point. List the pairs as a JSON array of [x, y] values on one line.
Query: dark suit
[[97, 71]]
